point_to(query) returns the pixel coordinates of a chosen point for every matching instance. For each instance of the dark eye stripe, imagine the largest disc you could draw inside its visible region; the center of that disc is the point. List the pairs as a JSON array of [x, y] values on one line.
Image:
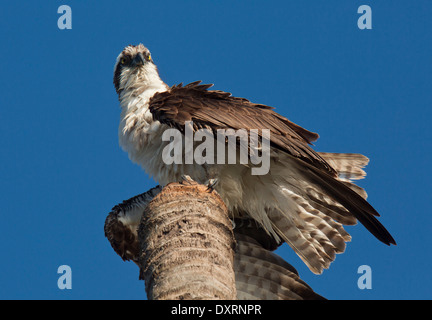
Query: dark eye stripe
[[117, 74], [125, 60]]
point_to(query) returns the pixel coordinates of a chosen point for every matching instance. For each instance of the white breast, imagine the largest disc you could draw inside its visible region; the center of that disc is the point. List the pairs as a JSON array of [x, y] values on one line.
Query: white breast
[[141, 137]]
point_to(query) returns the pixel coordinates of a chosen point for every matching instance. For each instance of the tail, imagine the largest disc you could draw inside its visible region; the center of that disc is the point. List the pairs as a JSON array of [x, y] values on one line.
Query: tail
[[311, 208], [349, 166]]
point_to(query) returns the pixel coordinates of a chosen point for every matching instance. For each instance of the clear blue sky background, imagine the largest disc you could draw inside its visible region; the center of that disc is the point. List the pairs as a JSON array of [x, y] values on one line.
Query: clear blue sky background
[[61, 169]]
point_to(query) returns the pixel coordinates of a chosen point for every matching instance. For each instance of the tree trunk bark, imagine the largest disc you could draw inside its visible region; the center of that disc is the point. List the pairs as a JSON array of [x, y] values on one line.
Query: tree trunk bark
[[187, 245]]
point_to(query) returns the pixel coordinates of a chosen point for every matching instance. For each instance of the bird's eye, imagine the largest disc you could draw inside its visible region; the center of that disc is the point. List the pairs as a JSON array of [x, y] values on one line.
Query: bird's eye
[[123, 61], [149, 58]]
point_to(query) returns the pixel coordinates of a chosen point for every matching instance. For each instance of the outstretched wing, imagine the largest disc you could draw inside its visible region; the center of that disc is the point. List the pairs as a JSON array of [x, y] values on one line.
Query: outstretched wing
[[219, 110]]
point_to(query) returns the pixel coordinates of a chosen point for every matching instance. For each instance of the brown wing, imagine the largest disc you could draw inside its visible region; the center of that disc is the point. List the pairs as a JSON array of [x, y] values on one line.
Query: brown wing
[[263, 275], [219, 110], [260, 273]]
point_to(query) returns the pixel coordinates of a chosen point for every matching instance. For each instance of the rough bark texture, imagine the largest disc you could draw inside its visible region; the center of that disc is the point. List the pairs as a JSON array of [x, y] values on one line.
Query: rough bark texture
[[187, 245], [259, 272]]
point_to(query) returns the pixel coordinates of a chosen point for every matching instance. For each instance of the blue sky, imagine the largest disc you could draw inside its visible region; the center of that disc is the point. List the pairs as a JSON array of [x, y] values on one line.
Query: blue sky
[[61, 169]]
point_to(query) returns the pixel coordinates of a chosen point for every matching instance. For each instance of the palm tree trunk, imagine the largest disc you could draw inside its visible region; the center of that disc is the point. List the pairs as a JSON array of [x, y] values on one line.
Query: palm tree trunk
[[187, 245]]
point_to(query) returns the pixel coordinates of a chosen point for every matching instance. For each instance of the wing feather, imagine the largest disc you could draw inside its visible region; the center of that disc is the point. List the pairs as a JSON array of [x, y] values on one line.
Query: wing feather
[[220, 110], [263, 275], [321, 192]]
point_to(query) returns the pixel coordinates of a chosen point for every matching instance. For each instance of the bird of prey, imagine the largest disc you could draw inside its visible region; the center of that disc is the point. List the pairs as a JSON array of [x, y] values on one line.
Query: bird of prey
[[260, 274], [306, 197]]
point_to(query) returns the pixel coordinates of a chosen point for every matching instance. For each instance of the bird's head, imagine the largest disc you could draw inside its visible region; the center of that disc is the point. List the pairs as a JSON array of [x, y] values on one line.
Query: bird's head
[[135, 69]]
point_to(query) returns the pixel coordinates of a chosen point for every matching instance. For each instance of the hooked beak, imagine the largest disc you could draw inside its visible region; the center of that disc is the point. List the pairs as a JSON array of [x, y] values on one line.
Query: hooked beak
[[139, 59]]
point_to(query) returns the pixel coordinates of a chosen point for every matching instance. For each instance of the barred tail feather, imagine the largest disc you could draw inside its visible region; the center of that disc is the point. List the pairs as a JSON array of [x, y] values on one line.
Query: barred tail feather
[[310, 208]]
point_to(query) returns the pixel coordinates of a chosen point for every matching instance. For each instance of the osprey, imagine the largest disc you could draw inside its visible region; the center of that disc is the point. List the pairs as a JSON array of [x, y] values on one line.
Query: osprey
[[304, 199]]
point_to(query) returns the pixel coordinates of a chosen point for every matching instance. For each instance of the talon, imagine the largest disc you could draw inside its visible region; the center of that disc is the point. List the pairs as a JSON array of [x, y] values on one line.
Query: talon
[[187, 179], [211, 183]]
